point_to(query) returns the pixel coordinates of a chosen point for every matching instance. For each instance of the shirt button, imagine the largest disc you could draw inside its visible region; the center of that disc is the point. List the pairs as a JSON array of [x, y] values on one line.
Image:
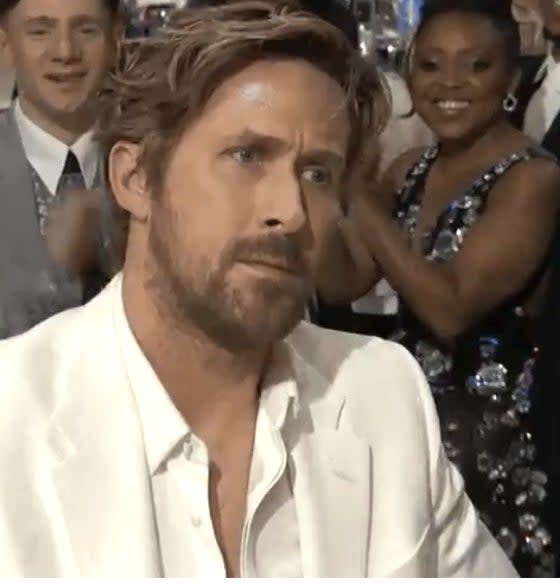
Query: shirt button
[[196, 521]]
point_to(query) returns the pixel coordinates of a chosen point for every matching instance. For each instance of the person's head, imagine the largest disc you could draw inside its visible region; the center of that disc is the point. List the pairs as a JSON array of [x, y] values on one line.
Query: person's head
[[550, 17], [61, 51], [229, 138], [463, 65]]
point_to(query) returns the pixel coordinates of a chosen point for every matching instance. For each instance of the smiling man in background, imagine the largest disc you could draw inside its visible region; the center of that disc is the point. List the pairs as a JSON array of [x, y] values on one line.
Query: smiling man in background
[[61, 51]]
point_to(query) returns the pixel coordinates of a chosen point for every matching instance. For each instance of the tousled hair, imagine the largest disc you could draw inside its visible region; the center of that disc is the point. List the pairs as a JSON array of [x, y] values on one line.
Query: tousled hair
[[161, 84], [498, 12]]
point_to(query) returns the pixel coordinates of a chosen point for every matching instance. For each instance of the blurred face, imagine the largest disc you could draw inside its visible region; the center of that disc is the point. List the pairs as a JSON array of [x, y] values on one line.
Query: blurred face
[[550, 16], [61, 51], [460, 75], [249, 194]]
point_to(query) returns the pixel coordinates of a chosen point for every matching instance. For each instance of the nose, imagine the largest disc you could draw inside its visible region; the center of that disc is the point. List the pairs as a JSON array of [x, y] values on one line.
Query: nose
[[282, 205], [65, 47], [451, 76]]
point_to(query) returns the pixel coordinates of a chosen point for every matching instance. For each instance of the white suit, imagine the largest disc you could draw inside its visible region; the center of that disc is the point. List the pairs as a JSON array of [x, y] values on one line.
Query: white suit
[[374, 494]]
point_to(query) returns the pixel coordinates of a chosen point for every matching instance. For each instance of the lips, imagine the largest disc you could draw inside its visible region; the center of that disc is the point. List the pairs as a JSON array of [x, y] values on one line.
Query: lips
[[276, 265], [65, 77]]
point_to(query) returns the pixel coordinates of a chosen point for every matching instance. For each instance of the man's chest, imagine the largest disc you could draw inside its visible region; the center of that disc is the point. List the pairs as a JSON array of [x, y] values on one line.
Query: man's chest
[[234, 519]]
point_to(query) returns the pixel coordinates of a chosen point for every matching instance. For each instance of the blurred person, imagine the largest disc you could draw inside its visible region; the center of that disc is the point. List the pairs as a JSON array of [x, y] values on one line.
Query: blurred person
[[185, 423], [49, 161], [539, 91], [545, 125], [463, 232]]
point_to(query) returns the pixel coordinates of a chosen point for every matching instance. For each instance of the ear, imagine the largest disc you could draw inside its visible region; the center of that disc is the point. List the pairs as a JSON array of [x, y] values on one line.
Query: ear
[[127, 180]]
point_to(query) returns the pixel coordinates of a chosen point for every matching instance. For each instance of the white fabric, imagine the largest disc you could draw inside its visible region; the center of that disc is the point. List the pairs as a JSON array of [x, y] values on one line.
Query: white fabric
[[374, 494], [47, 155], [381, 299], [545, 102], [179, 470], [403, 131]]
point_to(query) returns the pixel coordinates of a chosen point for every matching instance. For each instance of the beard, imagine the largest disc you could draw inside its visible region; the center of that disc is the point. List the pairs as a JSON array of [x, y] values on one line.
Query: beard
[[235, 318]]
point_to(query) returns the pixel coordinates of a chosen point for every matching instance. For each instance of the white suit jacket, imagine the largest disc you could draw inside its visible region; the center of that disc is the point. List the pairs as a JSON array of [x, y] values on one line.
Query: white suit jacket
[[374, 494]]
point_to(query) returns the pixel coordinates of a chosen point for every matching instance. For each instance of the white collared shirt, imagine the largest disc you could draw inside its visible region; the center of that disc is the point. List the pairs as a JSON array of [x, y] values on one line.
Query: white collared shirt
[[178, 465], [47, 155], [544, 105]]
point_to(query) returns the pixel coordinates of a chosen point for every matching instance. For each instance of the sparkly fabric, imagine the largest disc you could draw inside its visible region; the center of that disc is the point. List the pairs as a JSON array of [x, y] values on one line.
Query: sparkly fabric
[[482, 384]]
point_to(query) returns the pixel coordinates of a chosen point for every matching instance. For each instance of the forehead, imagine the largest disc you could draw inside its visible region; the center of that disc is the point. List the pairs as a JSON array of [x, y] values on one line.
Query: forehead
[[287, 99], [58, 9], [459, 31]]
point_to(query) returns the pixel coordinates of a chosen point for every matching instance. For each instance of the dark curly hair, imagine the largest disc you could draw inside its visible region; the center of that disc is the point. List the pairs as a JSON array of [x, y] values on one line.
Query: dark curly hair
[[498, 12]]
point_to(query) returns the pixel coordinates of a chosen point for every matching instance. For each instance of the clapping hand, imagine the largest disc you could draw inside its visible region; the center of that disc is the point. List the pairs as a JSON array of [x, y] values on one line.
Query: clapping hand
[[72, 230]]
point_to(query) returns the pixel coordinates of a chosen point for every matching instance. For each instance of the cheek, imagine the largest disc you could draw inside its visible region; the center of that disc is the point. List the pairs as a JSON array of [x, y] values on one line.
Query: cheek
[[28, 60]]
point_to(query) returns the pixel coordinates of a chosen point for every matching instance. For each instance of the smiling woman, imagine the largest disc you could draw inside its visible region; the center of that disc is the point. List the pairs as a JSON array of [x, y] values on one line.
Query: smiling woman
[[462, 231]]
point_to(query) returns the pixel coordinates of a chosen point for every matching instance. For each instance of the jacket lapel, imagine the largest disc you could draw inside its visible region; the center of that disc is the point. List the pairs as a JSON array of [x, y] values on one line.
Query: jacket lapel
[[332, 492], [99, 471], [331, 473]]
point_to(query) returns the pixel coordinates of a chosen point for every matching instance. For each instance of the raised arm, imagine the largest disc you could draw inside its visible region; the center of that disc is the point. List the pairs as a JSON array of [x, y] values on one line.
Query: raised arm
[[347, 270], [498, 257]]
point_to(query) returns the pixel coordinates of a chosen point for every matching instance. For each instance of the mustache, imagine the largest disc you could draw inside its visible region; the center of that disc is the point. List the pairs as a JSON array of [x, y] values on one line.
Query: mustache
[[271, 248]]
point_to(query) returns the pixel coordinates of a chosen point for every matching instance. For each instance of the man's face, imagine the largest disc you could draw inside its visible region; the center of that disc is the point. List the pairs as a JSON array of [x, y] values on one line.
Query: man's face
[[61, 51], [249, 194]]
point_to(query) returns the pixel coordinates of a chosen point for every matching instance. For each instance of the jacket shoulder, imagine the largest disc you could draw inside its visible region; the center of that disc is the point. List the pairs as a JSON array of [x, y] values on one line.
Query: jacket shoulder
[[32, 361], [357, 362]]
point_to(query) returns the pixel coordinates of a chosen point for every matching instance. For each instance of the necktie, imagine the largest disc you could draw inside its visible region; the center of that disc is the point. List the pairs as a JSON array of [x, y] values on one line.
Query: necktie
[[72, 177]]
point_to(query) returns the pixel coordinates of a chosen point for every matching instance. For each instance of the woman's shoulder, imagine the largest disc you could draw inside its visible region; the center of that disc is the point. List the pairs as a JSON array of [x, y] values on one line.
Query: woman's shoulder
[[534, 175]]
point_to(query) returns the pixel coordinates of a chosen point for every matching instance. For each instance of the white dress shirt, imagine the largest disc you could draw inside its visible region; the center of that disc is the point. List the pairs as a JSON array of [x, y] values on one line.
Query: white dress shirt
[[47, 155], [179, 470], [545, 102]]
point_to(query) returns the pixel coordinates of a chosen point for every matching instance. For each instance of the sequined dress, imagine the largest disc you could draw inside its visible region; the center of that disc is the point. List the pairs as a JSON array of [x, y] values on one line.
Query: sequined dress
[[482, 384]]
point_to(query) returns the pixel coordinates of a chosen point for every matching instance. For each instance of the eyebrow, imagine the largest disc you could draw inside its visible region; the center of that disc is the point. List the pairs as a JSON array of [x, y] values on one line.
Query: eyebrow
[[49, 21], [249, 135]]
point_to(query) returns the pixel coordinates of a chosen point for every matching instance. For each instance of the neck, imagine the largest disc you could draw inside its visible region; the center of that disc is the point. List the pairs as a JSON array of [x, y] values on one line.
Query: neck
[[67, 129], [451, 149], [212, 388]]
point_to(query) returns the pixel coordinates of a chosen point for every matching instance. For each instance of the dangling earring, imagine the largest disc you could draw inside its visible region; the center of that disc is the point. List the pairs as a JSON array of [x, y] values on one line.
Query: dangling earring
[[510, 103]]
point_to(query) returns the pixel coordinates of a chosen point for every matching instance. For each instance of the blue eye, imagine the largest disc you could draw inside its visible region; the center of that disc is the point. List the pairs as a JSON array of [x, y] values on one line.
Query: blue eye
[[245, 155], [317, 175]]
